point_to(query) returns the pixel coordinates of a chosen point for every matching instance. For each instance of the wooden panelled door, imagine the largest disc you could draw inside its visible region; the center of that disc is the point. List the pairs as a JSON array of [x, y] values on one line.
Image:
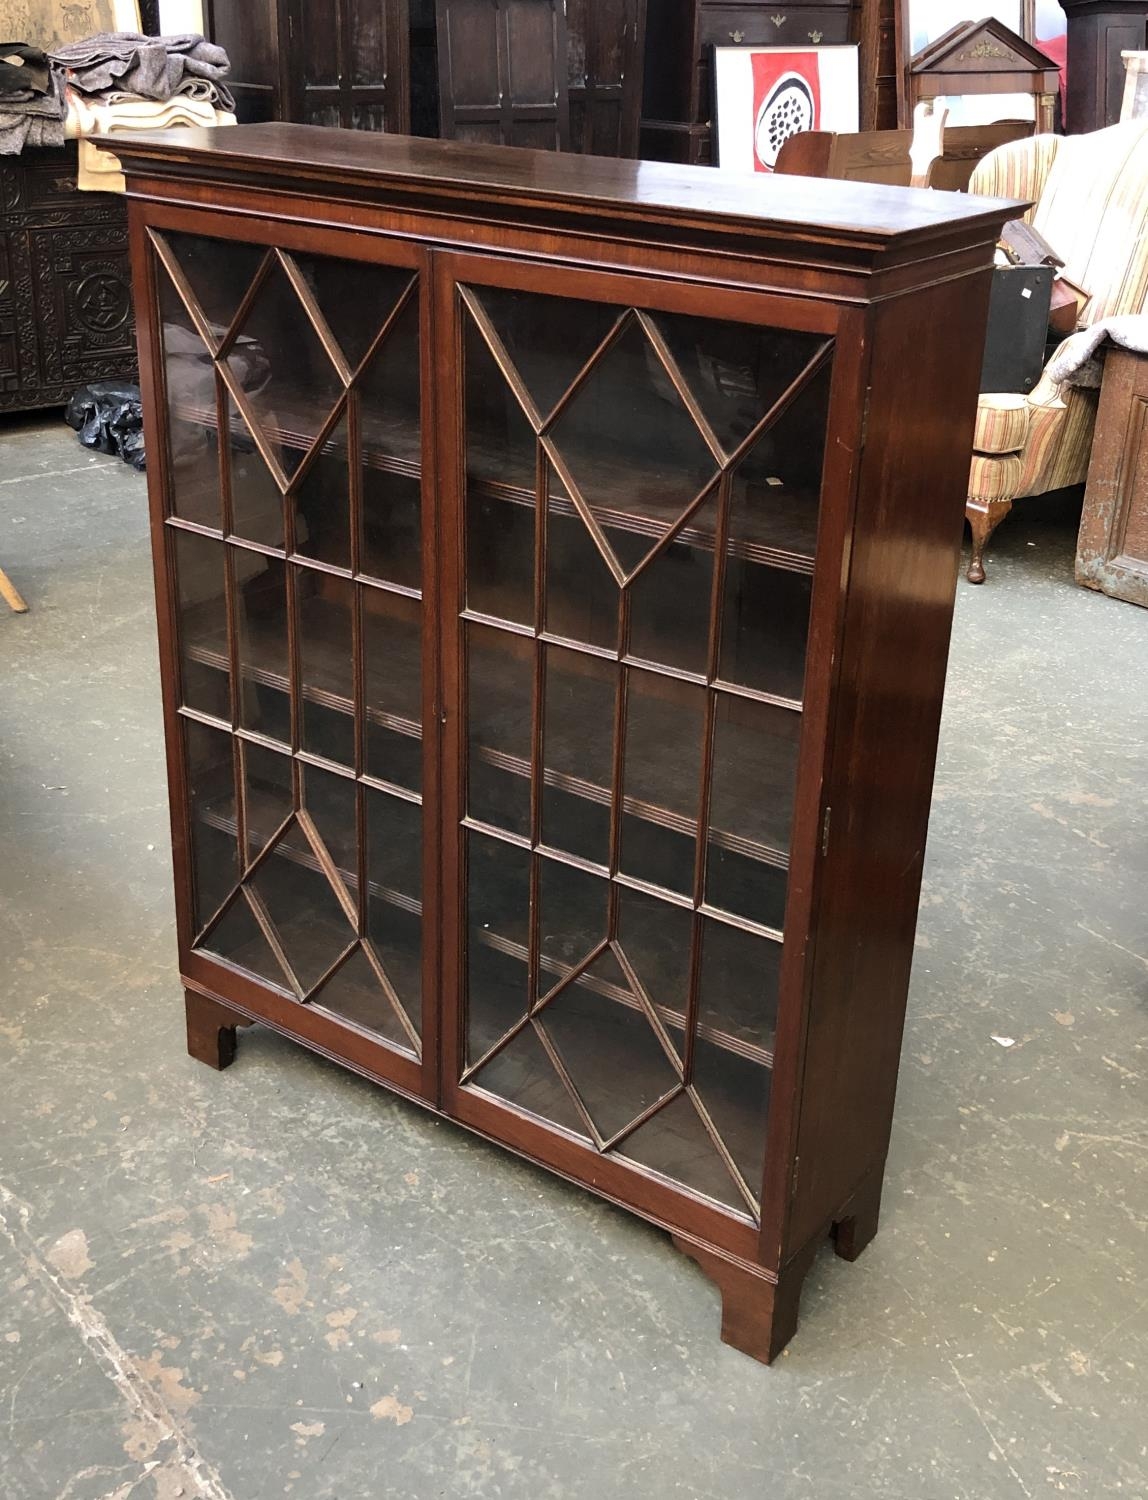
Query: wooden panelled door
[[637, 507], [503, 72], [351, 63], [295, 539], [605, 42]]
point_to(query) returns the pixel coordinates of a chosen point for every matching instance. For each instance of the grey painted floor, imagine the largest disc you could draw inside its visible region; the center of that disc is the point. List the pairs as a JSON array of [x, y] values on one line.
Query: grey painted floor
[[280, 1281]]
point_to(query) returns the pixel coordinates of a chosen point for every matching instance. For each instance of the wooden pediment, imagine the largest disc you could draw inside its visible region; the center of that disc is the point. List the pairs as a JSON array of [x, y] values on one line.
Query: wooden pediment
[[981, 47]]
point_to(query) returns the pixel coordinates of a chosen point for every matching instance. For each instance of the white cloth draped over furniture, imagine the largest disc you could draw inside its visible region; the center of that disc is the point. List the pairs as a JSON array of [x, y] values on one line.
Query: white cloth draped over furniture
[[1091, 204]]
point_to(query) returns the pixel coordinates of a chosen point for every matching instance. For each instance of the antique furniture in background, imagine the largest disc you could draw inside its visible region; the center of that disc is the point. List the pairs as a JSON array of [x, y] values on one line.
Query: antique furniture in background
[[985, 57], [1112, 548], [1099, 31], [1134, 100], [606, 42], [322, 62], [555, 563], [502, 72], [677, 108], [867, 156], [65, 282], [1091, 196], [958, 149]]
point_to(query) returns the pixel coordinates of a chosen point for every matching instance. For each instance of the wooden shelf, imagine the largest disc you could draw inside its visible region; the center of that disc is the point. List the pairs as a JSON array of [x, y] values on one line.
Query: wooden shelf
[[763, 836], [782, 534], [264, 816]]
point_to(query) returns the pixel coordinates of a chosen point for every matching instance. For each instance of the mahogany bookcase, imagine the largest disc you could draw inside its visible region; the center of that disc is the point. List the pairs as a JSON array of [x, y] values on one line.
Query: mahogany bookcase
[[555, 561]]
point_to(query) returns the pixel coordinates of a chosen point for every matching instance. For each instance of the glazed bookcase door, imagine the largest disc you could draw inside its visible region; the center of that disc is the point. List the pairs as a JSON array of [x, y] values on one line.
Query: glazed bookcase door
[[292, 529], [637, 503]]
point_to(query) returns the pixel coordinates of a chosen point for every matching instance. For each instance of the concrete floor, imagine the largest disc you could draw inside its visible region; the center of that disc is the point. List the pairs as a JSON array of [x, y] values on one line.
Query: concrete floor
[[283, 1282]]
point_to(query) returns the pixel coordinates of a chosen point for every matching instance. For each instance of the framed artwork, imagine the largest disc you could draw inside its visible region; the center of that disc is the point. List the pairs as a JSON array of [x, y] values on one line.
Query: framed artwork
[[766, 94], [48, 23]]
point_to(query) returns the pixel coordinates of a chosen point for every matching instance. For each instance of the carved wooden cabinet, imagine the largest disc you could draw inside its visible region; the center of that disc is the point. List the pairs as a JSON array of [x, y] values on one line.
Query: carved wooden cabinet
[[321, 62], [677, 106], [555, 562], [65, 283], [1099, 31], [605, 47]]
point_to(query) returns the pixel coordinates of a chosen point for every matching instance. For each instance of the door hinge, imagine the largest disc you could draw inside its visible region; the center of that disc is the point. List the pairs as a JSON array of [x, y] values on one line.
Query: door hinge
[[865, 415], [825, 818], [793, 1179]]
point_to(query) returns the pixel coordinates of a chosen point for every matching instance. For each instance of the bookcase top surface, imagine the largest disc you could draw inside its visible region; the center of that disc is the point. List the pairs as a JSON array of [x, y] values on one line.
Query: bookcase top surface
[[322, 160]]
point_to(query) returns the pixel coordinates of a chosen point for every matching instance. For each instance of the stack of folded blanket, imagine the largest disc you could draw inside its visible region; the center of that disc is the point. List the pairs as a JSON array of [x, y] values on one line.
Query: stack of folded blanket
[[37, 89]]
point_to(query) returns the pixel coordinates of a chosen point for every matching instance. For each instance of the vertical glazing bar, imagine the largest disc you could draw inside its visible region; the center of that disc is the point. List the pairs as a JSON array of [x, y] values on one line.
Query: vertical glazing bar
[[705, 782], [538, 713], [358, 656], [223, 456], [618, 768]]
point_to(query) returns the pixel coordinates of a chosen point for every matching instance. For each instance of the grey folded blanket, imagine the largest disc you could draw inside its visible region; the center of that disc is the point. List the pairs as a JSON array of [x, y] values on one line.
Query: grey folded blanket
[[123, 62], [1080, 359], [154, 67]]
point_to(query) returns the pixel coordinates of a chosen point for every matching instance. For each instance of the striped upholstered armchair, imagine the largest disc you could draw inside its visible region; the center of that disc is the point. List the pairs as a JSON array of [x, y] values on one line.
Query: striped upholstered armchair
[[1091, 205]]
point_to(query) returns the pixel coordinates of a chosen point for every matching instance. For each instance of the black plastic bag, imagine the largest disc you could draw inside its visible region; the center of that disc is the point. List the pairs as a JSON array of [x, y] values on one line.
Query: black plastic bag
[[108, 417]]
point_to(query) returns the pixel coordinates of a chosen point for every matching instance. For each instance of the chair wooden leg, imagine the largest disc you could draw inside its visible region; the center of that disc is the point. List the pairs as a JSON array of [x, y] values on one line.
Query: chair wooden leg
[[211, 1030], [984, 516], [11, 595]]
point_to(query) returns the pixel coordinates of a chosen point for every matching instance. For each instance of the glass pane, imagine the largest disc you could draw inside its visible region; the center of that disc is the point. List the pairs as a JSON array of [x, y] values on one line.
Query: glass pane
[[582, 596], [655, 937], [330, 802], [735, 371], [751, 804], [523, 1074], [392, 527], [326, 664], [395, 888], [392, 665], [312, 927], [665, 727], [498, 906], [500, 675], [238, 937], [356, 993], [737, 997], [501, 445], [261, 593], [219, 273], [205, 669], [764, 628], [389, 397], [571, 919], [776, 488], [578, 751], [322, 503], [190, 390], [677, 1145], [734, 1090], [670, 599], [629, 441], [291, 385], [211, 795], [256, 500], [548, 339], [269, 794], [354, 298], [608, 1046]]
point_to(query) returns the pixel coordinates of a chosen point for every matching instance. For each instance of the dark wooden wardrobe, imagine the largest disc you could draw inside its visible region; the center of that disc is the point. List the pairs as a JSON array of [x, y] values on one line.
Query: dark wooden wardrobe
[[320, 62]]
